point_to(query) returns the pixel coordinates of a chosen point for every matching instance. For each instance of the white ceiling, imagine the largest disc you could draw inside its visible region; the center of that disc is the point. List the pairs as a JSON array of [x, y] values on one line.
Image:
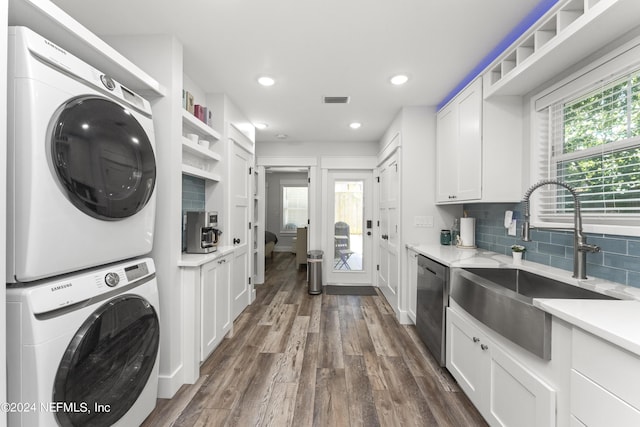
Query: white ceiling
[[316, 48]]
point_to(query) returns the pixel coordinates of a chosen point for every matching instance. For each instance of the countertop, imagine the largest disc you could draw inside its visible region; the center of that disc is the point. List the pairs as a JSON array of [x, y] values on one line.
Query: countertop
[[614, 321], [197, 260]]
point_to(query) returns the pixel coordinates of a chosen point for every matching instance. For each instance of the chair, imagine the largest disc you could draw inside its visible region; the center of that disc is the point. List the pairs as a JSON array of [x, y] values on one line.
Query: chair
[[342, 246]]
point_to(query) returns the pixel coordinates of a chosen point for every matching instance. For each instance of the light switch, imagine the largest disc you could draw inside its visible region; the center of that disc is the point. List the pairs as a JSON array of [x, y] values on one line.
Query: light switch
[[423, 221]]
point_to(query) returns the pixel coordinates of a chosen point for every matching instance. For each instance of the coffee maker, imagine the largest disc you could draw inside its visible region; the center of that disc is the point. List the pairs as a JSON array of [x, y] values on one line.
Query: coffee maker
[[202, 234]]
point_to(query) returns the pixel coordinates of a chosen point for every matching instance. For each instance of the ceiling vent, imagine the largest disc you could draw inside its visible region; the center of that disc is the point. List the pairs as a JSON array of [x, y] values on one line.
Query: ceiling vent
[[335, 100]]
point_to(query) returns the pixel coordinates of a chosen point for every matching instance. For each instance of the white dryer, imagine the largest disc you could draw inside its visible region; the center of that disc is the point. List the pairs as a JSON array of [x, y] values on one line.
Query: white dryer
[[81, 164], [83, 349]]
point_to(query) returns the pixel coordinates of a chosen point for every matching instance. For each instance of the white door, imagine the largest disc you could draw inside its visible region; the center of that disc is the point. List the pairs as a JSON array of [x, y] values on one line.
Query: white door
[[388, 235], [349, 227], [240, 175]]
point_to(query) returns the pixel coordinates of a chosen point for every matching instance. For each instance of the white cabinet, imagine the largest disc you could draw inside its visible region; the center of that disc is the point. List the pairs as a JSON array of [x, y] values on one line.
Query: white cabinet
[[412, 281], [603, 373], [459, 147], [479, 148], [504, 391], [215, 304]]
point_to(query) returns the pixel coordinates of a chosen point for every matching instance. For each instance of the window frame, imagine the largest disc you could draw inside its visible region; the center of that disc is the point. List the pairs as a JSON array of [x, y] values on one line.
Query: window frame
[[288, 184], [617, 62]]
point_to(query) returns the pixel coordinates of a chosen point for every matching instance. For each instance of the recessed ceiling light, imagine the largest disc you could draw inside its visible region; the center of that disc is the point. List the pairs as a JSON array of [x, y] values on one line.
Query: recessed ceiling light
[[266, 81], [355, 125], [261, 126], [282, 136], [400, 79]]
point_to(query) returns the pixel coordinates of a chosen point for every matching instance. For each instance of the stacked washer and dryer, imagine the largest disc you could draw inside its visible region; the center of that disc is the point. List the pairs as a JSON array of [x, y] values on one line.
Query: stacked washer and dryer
[[82, 310]]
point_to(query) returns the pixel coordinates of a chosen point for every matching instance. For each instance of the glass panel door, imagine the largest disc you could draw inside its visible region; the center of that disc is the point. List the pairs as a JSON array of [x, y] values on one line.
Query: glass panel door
[[349, 227]]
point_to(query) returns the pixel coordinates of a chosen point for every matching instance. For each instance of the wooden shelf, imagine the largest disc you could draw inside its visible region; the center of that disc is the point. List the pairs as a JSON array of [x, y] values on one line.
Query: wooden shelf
[[51, 22], [572, 31], [199, 173], [192, 124]]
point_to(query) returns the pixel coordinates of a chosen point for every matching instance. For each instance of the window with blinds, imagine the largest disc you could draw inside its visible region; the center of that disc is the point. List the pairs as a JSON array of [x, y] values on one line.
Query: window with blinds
[[593, 144], [295, 202]]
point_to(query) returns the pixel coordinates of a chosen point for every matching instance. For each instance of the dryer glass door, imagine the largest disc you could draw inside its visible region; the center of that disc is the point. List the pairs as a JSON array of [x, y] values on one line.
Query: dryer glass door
[[103, 157], [107, 363]]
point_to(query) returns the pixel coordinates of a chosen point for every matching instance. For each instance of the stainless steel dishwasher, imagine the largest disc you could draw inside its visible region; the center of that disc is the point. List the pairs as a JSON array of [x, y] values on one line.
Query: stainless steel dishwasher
[[432, 301]]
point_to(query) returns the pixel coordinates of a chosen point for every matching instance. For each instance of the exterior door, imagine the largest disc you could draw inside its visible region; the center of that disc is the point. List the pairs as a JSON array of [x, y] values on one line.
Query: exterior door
[[388, 236], [241, 164], [350, 227]]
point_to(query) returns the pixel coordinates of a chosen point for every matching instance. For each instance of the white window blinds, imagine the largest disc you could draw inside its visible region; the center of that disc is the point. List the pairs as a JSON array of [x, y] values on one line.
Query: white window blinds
[[593, 144]]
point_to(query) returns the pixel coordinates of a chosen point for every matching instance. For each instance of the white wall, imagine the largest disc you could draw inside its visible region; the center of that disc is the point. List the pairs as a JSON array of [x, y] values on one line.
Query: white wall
[[161, 56], [274, 205], [3, 210]]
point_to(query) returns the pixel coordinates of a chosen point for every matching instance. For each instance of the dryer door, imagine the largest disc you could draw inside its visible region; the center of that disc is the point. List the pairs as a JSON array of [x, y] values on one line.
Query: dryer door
[[108, 362], [103, 157]]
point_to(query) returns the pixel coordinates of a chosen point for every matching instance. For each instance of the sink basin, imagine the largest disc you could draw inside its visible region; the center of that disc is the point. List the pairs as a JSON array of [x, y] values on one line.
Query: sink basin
[[502, 299], [532, 285]]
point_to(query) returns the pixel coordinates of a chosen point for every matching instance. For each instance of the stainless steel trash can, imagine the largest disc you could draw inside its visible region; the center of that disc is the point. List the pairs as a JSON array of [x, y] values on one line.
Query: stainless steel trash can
[[314, 271]]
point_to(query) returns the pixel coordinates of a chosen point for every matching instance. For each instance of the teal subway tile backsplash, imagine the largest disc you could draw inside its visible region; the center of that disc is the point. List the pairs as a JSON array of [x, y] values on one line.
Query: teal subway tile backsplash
[[618, 261], [193, 199]]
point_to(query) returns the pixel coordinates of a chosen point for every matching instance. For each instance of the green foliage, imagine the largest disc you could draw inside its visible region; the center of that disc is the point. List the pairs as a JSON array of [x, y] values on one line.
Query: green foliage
[[609, 180]]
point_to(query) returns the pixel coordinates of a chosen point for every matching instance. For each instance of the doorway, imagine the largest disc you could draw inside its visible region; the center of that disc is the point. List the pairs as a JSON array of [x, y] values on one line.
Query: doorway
[[349, 227]]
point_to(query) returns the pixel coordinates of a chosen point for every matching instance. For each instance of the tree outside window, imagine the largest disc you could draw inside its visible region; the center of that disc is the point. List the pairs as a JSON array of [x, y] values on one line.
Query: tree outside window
[[597, 148]]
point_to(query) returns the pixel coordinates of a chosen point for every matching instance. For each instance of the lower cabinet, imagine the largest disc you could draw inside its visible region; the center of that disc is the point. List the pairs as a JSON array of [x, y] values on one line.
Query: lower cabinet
[[607, 374], [502, 389], [215, 304]]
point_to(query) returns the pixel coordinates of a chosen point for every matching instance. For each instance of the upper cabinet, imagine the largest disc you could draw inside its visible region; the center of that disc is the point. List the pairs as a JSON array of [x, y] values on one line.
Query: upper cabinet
[[459, 147], [479, 148]]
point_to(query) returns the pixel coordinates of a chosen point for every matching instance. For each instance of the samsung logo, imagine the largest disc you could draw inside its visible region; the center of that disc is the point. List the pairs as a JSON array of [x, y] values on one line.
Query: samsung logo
[[60, 287], [48, 43]]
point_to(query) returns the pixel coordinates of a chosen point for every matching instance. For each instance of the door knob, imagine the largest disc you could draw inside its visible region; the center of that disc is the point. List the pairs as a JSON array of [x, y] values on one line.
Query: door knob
[[236, 241]]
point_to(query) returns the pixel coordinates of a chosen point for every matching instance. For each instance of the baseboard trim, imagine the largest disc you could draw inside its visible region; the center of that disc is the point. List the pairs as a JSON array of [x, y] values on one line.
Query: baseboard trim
[[168, 385]]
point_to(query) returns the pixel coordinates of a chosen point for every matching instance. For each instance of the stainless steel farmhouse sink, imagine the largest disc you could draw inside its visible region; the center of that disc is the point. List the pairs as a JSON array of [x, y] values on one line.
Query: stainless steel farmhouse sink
[[502, 299]]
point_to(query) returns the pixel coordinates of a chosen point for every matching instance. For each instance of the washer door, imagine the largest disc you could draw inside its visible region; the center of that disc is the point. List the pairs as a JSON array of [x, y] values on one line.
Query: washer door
[[102, 157], [107, 363]]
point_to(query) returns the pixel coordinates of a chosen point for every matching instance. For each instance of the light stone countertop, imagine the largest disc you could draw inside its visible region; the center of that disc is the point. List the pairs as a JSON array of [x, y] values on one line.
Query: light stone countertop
[[615, 321], [197, 260]]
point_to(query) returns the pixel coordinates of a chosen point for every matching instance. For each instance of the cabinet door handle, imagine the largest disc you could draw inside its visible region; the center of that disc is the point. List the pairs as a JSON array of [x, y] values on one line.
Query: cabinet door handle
[[476, 339], [484, 346], [236, 241]]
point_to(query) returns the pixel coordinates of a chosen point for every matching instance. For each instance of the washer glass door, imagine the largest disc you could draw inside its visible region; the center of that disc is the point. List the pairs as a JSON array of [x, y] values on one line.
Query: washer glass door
[[103, 157], [107, 363]]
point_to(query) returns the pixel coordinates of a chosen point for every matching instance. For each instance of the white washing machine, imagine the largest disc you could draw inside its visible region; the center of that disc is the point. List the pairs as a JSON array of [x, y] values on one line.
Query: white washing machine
[[83, 349], [81, 164]]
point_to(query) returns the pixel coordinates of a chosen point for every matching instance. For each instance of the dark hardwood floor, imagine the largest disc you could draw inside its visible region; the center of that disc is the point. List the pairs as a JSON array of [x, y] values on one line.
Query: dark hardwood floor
[[325, 360]]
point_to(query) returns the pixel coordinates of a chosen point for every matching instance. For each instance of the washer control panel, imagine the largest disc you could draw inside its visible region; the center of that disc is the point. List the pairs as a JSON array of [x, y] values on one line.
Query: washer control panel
[[81, 287]]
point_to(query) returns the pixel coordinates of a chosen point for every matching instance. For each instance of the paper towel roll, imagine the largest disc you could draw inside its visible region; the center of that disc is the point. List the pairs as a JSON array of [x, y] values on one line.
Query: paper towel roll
[[467, 232]]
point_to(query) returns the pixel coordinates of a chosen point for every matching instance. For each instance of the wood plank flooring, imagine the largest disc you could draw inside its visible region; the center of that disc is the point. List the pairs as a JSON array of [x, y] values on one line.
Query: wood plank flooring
[[326, 360]]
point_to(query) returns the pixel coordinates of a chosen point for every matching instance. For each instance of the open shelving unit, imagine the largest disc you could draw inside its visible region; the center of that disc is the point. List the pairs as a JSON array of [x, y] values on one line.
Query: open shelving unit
[[197, 160], [571, 31]]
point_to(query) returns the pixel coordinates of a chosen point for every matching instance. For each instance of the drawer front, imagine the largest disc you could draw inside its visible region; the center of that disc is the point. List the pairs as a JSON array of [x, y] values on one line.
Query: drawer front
[[596, 407], [614, 368]]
